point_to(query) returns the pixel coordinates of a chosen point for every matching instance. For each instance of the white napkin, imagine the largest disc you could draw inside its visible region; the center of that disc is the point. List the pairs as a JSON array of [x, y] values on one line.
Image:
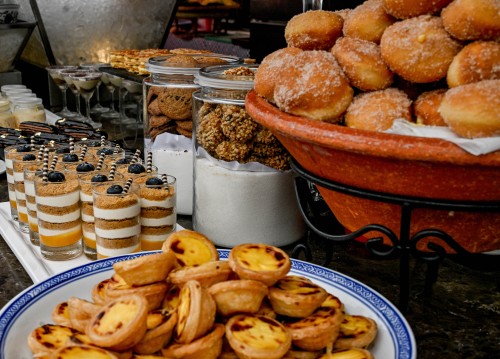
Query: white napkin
[[476, 146]]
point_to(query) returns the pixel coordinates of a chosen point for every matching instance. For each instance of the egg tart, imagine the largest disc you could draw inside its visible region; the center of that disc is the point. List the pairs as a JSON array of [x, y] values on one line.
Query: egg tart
[[60, 314], [206, 273], [356, 331], [171, 299], [206, 347], [316, 331], [353, 353], [238, 296], [80, 311], [160, 327], [82, 352], [98, 292], [261, 262], [120, 324], [190, 248], [257, 337], [296, 296], [153, 293], [196, 313], [332, 301], [146, 269], [46, 339], [302, 354]]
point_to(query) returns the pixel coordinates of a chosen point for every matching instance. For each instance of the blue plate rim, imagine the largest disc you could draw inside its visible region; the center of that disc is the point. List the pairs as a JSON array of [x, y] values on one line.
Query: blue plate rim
[[400, 330]]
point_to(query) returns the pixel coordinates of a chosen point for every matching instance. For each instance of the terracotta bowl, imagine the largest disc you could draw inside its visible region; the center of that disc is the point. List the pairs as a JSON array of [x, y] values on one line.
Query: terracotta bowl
[[425, 168]]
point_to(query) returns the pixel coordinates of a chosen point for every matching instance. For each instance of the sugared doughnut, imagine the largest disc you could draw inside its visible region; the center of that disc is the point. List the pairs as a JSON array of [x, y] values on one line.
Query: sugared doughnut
[[426, 108], [472, 110], [404, 9], [269, 71], [362, 63], [368, 21], [419, 49], [473, 19], [377, 110], [479, 60], [313, 86], [314, 30]]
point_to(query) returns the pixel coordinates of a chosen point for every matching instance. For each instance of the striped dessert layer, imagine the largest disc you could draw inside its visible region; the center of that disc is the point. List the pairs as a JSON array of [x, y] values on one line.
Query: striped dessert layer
[[132, 209]]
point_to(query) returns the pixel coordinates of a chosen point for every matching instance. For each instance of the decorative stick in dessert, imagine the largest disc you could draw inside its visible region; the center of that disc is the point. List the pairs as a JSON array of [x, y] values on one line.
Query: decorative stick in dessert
[[116, 218]]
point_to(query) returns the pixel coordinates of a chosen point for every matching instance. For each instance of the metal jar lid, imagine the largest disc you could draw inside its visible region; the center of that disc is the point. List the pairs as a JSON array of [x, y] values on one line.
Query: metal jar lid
[[166, 64], [218, 77]]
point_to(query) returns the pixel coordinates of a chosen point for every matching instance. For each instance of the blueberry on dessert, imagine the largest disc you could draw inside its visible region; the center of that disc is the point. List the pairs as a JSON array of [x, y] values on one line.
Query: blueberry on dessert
[[123, 161], [114, 189], [29, 157], [63, 150], [154, 181], [105, 151], [99, 178], [23, 148], [85, 167], [136, 168], [70, 157], [55, 177]]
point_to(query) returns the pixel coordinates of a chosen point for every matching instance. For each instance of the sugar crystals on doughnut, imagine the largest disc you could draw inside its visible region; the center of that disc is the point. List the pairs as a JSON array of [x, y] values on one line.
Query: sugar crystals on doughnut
[[426, 108], [404, 9], [377, 110], [362, 63], [419, 49], [471, 110], [473, 19], [313, 86], [314, 30], [368, 21], [479, 60]]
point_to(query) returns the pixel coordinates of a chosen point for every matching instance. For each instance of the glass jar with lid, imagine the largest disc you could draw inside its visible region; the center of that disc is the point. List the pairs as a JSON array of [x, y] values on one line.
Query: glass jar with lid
[[167, 113], [29, 109], [243, 186], [6, 117]]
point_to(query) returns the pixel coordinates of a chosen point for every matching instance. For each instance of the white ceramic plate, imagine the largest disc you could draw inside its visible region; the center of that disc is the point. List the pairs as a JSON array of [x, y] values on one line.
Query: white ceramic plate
[[33, 306], [3, 168]]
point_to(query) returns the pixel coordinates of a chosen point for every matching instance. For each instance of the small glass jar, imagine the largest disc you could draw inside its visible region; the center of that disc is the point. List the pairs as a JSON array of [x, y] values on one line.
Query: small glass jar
[[167, 114], [29, 109], [243, 187], [6, 116]]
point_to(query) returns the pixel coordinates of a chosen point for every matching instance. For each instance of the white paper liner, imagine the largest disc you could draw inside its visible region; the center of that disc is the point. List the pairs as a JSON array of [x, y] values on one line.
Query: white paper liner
[[476, 146], [171, 142]]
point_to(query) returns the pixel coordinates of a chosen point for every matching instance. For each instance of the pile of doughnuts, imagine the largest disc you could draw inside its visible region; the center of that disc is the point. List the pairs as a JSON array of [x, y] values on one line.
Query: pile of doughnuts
[[436, 63]]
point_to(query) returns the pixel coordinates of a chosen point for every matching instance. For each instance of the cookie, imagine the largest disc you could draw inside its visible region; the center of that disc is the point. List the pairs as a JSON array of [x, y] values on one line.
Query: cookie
[[176, 103], [186, 125], [157, 121], [154, 108], [183, 132], [237, 125], [232, 151]]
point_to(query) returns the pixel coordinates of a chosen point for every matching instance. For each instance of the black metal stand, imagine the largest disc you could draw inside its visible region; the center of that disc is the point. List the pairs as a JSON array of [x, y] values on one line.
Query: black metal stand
[[403, 245]]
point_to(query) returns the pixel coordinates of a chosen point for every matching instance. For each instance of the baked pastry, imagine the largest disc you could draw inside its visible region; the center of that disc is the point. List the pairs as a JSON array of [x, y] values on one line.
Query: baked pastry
[[83, 351], [146, 269], [332, 301], [160, 327], [404, 9], [206, 347], [475, 62], [99, 292], [471, 110], [426, 108], [362, 63], [316, 331], [80, 311], [171, 299], [196, 313], [356, 331], [256, 337], [296, 296], [353, 353], [190, 248], [46, 339], [120, 324], [473, 19], [302, 354], [367, 21], [314, 30], [260, 262], [419, 49], [238, 296], [60, 314], [377, 110], [314, 87], [206, 274], [153, 293]]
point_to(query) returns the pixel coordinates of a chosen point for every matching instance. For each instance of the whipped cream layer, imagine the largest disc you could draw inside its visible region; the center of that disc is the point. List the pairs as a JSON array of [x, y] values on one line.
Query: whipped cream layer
[[66, 217], [118, 232], [59, 201], [18, 176], [20, 195], [85, 197], [158, 222], [111, 252], [87, 218], [118, 213], [168, 202]]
